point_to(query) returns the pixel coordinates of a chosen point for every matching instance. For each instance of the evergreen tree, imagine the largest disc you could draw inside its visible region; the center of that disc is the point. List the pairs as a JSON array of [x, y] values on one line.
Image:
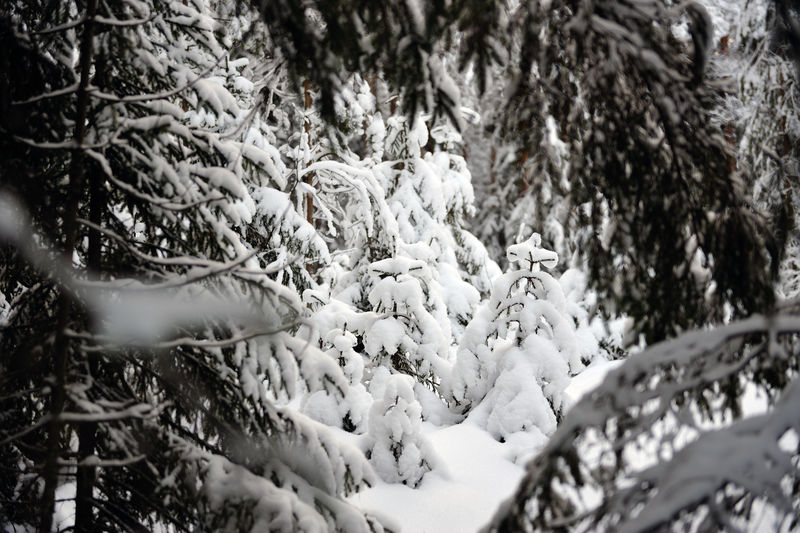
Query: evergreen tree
[[520, 189], [147, 360], [518, 352], [406, 266]]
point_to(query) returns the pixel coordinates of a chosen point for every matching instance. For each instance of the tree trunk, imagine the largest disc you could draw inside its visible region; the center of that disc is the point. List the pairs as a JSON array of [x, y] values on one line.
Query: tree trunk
[[87, 433], [61, 343], [309, 177]]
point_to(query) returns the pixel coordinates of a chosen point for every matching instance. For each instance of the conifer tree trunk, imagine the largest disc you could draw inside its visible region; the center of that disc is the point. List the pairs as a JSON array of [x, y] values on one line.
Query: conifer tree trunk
[[309, 177], [492, 159], [87, 434], [60, 345], [526, 173]]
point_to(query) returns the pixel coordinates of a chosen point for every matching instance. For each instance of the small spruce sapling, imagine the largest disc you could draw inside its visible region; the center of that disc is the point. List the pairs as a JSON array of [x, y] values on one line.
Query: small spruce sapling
[[398, 452], [406, 337], [519, 351], [351, 412]]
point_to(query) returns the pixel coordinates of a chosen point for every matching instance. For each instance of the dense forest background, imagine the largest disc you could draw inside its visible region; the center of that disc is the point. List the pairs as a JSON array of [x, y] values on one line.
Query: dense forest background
[[262, 260]]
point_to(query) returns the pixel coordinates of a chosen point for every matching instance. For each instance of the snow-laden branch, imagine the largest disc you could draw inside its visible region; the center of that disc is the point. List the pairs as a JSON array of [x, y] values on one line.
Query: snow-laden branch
[[62, 27], [139, 313], [70, 89], [140, 411], [70, 144], [746, 455], [108, 21], [108, 97], [655, 441], [94, 461], [114, 341]]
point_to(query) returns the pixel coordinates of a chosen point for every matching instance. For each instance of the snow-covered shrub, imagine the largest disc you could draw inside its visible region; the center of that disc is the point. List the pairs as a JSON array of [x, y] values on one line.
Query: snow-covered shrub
[[350, 412], [398, 452], [598, 339], [406, 337]]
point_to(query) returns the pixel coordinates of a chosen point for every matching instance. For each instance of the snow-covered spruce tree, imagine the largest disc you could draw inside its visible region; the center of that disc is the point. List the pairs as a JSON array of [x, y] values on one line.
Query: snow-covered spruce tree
[[518, 351], [127, 371], [405, 336], [430, 193]]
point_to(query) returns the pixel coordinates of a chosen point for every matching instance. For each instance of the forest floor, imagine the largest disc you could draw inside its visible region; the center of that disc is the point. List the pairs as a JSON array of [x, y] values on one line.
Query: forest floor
[[474, 475]]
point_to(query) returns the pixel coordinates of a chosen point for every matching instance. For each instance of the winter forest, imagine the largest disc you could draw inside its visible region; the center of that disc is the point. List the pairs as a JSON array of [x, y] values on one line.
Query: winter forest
[[399, 265]]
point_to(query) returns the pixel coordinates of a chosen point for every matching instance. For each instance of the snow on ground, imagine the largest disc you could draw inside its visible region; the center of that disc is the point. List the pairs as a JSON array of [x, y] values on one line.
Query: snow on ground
[[460, 495], [474, 475]]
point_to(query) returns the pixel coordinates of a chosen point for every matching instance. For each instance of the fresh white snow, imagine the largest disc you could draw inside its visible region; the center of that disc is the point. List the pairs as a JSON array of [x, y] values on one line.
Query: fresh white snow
[[460, 495], [474, 475]]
